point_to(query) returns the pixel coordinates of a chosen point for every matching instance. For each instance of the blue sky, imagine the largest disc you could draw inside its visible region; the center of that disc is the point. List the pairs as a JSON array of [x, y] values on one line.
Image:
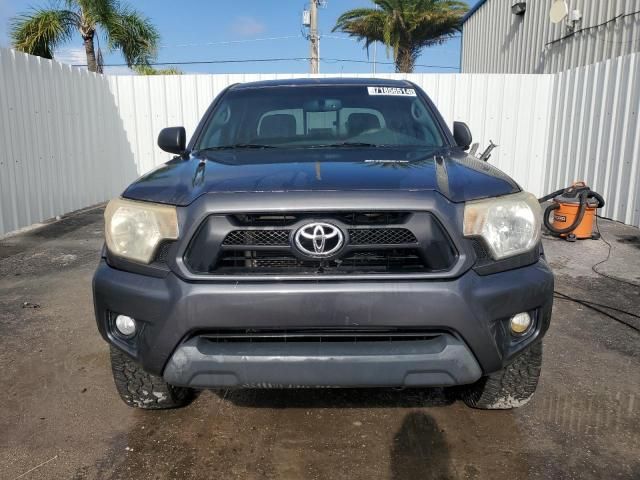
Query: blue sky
[[195, 30]]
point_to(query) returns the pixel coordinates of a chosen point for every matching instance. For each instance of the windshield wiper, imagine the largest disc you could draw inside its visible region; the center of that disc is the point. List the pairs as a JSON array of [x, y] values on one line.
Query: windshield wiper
[[234, 146]]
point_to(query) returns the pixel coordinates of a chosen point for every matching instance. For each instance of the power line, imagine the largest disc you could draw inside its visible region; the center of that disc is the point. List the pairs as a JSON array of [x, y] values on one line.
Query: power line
[[262, 60], [338, 60]]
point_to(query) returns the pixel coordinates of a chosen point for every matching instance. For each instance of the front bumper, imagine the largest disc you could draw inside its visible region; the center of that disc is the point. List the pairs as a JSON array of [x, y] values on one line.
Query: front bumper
[[471, 313], [443, 360]]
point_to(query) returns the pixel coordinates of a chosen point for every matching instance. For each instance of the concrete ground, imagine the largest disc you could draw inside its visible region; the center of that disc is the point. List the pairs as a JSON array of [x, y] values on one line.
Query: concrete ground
[[61, 418]]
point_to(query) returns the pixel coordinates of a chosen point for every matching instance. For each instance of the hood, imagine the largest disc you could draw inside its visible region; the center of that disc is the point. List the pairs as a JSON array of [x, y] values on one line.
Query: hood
[[454, 174]]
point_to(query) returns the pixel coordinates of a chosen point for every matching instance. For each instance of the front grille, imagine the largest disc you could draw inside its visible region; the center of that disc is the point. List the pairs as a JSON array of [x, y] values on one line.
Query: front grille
[[349, 218], [381, 236], [257, 237], [360, 236], [256, 244], [369, 261]]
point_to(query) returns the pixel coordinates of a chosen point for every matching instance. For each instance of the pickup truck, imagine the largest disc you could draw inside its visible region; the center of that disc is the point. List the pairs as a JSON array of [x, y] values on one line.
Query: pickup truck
[[323, 233]]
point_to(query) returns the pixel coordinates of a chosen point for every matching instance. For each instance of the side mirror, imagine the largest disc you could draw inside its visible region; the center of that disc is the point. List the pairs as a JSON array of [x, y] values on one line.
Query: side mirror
[[462, 135], [173, 140]]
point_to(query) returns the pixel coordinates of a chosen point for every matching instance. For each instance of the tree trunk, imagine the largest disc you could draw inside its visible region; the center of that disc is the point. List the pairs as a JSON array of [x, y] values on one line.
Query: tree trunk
[[89, 49], [405, 60]]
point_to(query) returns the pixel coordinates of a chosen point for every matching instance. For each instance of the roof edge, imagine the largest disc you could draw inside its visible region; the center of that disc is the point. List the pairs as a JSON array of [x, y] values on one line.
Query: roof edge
[[473, 10]]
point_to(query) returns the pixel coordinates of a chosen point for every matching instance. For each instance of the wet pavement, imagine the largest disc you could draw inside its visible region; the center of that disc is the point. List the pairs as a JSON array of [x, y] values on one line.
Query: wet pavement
[[60, 416]]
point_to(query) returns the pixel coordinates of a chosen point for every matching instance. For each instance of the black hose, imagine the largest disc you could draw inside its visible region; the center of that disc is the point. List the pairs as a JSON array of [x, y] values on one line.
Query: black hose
[[583, 207], [598, 197], [551, 195]]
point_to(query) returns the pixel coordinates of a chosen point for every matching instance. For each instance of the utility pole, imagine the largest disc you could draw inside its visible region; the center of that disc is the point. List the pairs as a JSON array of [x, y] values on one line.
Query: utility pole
[[314, 38]]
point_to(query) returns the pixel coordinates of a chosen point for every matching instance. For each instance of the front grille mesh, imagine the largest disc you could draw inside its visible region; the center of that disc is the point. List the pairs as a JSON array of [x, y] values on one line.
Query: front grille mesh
[[360, 236], [369, 261], [257, 237], [381, 236]]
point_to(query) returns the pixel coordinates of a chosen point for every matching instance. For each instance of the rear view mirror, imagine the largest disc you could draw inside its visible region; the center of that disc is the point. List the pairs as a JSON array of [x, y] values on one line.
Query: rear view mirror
[[462, 135], [173, 140], [322, 105]]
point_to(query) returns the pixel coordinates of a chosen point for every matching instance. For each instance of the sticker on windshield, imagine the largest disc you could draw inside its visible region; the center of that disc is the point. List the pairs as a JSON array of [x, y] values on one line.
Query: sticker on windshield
[[393, 91]]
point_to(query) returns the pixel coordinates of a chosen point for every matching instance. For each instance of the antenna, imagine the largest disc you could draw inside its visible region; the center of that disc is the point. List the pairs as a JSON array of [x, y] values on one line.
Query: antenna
[[559, 11]]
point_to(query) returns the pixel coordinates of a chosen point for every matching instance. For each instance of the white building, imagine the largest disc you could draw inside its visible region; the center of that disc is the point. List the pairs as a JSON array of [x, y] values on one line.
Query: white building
[[513, 36]]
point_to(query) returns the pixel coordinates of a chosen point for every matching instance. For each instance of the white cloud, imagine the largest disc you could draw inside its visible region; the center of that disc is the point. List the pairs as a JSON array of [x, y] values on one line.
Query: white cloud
[[70, 55], [247, 27]]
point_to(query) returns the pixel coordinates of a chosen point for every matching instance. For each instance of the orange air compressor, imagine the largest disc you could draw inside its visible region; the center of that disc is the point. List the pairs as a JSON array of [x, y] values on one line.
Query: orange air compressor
[[574, 209]]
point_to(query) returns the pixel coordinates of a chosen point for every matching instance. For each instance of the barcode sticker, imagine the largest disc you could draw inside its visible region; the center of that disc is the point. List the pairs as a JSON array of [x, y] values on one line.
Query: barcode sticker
[[393, 91]]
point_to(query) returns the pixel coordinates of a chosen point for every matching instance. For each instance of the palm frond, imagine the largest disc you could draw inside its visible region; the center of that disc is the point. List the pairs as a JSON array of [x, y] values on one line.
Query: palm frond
[[404, 26], [134, 35], [40, 31], [98, 12]]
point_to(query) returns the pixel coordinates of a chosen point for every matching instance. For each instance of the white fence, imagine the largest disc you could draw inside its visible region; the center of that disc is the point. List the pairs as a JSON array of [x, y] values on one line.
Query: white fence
[[71, 139], [62, 143], [595, 133]]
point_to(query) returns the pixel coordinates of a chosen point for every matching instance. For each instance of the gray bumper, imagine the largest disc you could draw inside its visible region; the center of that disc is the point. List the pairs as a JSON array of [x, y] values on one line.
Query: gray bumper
[[475, 309], [440, 361]]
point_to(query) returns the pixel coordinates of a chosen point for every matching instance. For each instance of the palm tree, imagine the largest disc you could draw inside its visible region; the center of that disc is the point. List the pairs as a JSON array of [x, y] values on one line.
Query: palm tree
[[405, 26], [42, 30]]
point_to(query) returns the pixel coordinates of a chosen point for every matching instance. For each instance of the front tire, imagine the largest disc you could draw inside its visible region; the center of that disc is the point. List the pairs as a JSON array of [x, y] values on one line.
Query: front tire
[[511, 387], [140, 389]]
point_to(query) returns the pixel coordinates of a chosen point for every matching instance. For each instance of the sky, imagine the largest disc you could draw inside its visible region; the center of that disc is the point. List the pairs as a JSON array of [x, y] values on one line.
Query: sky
[[203, 30]]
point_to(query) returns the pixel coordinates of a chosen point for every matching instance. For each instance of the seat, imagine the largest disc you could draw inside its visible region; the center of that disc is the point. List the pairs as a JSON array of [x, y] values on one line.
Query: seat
[[279, 125], [361, 122]]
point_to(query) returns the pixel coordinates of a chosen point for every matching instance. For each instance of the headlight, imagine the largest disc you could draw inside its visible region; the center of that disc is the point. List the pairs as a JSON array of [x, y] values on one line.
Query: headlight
[[133, 230], [510, 225]]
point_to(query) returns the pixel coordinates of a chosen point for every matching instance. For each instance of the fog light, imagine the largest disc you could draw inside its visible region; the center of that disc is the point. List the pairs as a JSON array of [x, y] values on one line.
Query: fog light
[[520, 323], [125, 325]]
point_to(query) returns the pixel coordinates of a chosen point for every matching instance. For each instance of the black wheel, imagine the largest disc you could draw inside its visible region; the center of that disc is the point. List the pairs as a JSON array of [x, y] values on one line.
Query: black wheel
[[595, 236], [511, 387], [140, 389], [572, 237]]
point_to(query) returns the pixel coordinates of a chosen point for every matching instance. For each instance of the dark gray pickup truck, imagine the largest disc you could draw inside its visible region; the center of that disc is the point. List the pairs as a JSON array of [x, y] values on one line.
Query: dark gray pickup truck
[[323, 233]]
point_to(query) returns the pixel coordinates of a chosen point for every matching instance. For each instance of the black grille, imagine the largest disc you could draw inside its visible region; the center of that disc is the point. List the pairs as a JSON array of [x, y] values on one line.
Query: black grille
[[370, 261], [319, 335], [480, 250], [381, 236], [375, 243], [163, 252], [349, 218], [257, 237]]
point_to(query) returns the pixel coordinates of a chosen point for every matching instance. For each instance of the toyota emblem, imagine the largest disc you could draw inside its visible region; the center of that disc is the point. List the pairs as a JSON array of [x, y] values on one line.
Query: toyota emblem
[[319, 239]]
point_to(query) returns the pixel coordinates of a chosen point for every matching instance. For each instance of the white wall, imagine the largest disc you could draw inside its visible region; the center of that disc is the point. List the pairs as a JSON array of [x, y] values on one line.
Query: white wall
[[494, 106], [62, 143], [496, 41]]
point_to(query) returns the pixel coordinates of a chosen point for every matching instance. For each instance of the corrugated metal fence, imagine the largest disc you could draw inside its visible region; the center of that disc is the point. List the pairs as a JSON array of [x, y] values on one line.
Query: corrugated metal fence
[[496, 40], [595, 133], [62, 143], [71, 139]]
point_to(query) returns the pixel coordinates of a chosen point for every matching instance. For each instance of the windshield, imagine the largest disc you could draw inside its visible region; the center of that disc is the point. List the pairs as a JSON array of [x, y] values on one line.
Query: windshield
[[318, 116]]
